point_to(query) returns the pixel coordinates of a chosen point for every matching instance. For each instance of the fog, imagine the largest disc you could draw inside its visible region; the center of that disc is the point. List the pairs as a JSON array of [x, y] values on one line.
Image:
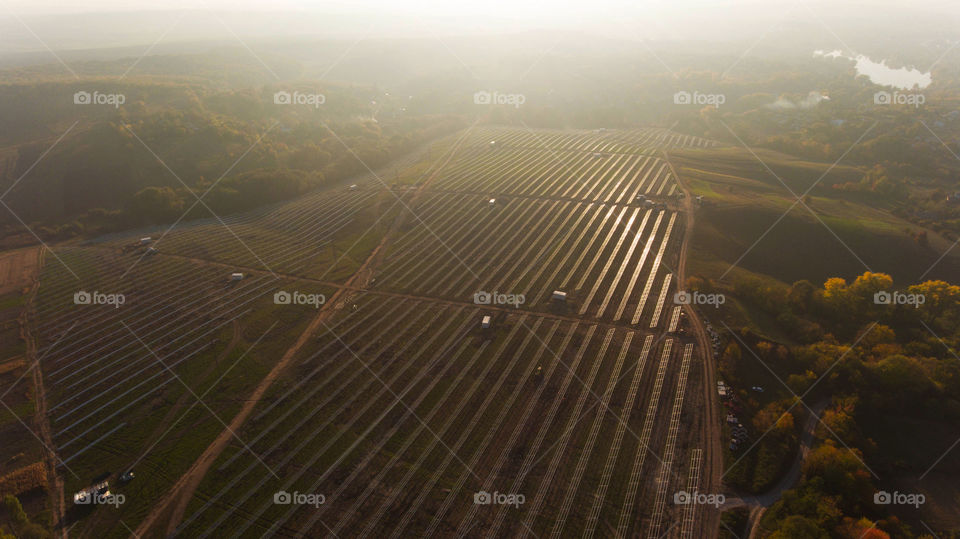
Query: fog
[[27, 25]]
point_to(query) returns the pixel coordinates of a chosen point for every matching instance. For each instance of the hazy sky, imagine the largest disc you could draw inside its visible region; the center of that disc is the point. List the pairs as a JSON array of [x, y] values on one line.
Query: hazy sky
[[551, 9], [625, 19]]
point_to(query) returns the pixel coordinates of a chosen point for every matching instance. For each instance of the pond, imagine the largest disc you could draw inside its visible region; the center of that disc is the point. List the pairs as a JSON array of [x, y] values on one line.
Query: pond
[[902, 78]]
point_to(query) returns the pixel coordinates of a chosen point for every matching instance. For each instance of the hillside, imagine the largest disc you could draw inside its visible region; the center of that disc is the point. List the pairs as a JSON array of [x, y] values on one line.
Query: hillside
[[751, 220]]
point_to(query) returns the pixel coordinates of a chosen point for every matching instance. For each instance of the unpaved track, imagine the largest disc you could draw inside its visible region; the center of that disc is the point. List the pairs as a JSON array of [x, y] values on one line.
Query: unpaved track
[[713, 457], [709, 526], [26, 263], [182, 492], [179, 496], [360, 285]]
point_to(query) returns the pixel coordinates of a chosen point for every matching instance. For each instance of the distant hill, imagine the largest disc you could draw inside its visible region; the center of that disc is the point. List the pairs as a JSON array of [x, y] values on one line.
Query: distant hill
[[72, 166]]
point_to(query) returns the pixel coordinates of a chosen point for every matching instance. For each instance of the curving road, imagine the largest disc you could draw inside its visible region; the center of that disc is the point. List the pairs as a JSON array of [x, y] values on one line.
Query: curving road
[[758, 504]]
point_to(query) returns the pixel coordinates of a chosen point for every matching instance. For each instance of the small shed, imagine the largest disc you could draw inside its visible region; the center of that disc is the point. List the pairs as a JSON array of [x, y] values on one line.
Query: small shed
[[558, 295], [152, 250], [353, 187], [485, 322], [145, 240], [236, 276], [493, 144], [493, 202]]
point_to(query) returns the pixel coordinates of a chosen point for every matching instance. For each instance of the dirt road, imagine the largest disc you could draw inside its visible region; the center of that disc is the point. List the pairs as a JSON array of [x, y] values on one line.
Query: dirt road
[[713, 450], [713, 456], [23, 268], [174, 502], [179, 496]]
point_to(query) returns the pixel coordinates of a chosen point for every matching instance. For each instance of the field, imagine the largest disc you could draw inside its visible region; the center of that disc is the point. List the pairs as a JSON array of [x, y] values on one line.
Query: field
[[750, 219], [396, 406], [21, 454], [17, 269]]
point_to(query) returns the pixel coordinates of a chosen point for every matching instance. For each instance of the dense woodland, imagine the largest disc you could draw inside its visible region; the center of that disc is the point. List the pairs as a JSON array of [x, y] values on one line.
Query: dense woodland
[[149, 160], [200, 112], [877, 366]]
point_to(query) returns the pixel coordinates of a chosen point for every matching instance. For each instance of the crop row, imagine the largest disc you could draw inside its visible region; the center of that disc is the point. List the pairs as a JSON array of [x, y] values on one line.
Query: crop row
[[612, 266], [399, 423], [666, 464], [534, 172], [612, 140], [109, 366]]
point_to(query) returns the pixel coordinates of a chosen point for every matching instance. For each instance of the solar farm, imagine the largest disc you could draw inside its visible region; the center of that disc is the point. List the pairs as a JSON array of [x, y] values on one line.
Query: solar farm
[[579, 411]]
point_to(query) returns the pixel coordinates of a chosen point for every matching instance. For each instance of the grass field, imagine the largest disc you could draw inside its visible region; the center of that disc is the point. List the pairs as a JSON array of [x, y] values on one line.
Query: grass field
[[22, 469], [751, 221]]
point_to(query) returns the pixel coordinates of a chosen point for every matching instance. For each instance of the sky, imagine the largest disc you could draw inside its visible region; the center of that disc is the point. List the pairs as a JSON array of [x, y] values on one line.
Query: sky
[[623, 19], [569, 10]]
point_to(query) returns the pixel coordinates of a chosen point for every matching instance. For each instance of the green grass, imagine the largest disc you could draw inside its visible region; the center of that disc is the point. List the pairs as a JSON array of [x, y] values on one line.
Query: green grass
[[735, 164], [734, 523], [839, 237], [12, 301], [241, 369]]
